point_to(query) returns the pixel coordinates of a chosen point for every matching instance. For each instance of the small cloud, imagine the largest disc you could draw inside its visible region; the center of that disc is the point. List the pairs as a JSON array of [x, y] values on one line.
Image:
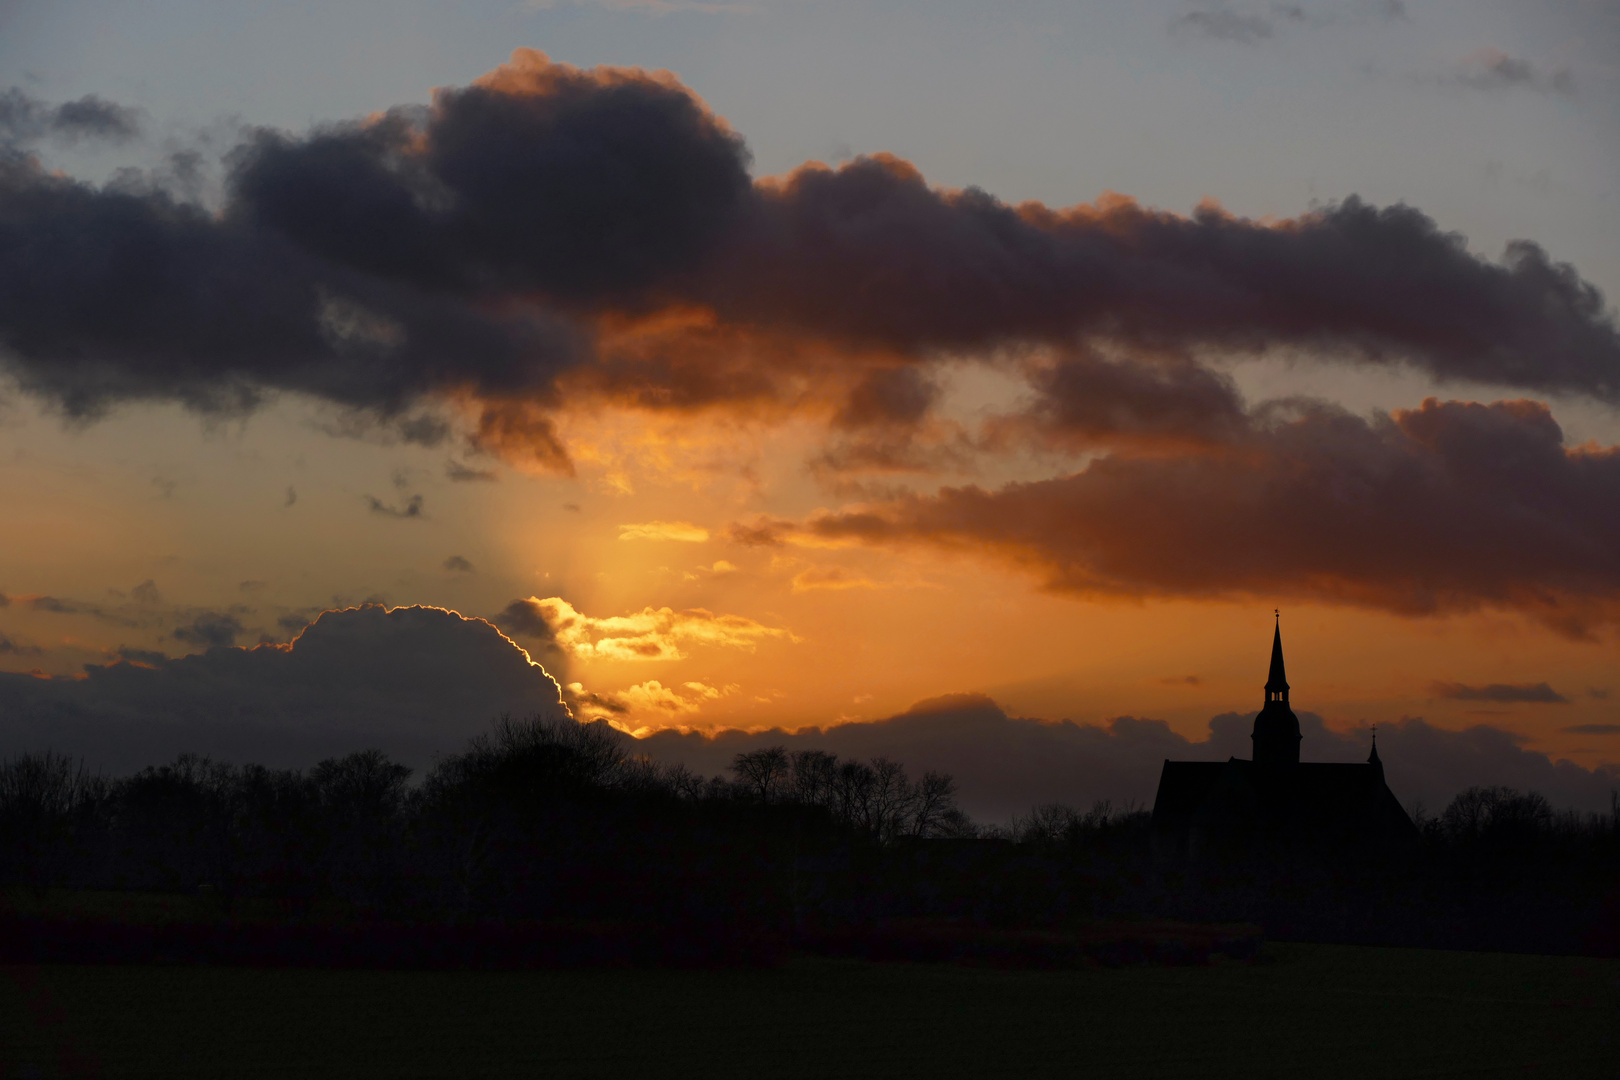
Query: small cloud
[[683, 531], [1181, 680], [1223, 24], [11, 648], [831, 577], [292, 497], [458, 565], [654, 696], [1492, 69], [572, 508], [146, 593], [209, 629], [1592, 729], [1597, 694], [165, 486], [1499, 693], [251, 586], [24, 118], [149, 657], [466, 474], [411, 509]]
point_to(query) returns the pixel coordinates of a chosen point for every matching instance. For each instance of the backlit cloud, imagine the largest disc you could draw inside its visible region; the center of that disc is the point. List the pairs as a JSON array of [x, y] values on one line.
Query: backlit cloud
[[649, 634], [412, 681], [664, 530]]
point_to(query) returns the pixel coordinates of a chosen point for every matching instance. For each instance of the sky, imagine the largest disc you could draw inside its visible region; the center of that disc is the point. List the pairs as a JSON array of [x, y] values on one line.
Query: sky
[[985, 376]]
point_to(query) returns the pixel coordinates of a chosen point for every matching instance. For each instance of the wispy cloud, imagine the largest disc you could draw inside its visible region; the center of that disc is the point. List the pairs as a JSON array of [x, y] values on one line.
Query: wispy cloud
[[1492, 69], [463, 474], [1223, 24], [1251, 25], [648, 7], [1500, 693]]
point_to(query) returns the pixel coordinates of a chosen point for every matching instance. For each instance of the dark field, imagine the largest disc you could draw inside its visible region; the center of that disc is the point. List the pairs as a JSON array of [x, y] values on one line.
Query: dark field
[[1303, 1010]]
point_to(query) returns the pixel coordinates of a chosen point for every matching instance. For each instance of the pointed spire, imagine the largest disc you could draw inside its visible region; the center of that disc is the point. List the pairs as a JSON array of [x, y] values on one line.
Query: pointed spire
[[1277, 680], [1372, 758]]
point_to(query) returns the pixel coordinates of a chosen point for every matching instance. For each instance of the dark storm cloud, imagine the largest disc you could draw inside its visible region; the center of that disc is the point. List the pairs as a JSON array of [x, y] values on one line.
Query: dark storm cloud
[[1447, 507], [1500, 693], [24, 118], [412, 681]]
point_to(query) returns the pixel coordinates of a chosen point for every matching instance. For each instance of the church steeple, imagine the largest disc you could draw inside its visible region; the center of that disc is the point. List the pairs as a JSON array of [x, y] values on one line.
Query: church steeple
[[1276, 735], [1277, 680]]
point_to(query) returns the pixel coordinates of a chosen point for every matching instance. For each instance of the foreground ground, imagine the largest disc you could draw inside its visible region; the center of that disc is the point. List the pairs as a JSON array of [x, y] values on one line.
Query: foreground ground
[[1303, 1010]]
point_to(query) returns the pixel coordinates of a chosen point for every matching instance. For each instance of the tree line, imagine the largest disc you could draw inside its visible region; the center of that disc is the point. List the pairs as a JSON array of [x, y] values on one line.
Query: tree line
[[538, 820]]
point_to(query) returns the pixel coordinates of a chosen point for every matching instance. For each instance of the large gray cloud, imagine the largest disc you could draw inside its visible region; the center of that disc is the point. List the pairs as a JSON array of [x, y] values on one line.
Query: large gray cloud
[[1004, 765], [476, 245], [1448, 507], [414, 682]]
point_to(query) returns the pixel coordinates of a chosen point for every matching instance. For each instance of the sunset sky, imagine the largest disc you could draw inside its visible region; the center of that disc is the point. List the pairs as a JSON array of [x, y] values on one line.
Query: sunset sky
[[787, 363]]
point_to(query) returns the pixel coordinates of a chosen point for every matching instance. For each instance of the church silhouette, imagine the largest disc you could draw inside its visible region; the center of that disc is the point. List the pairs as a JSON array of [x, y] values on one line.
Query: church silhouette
[[1275, 803]]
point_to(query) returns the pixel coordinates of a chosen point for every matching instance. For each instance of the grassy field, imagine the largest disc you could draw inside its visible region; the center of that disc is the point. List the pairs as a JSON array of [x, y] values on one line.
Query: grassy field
[[1306, 1011]]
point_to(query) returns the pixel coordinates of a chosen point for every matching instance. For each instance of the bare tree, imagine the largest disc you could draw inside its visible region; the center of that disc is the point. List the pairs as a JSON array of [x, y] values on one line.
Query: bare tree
[[934, 799], [852, 794], [764, 772], [814, 777]]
